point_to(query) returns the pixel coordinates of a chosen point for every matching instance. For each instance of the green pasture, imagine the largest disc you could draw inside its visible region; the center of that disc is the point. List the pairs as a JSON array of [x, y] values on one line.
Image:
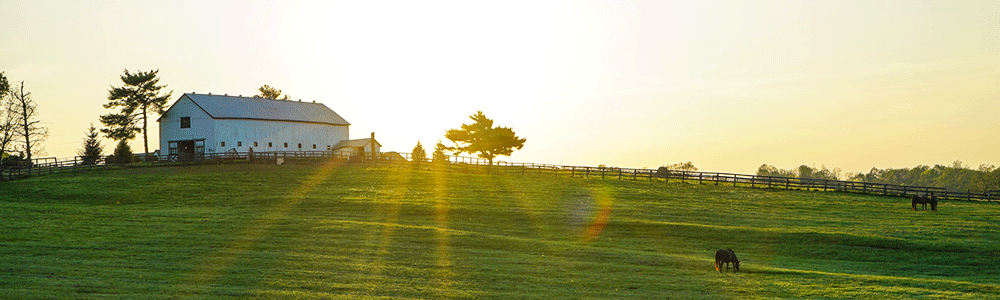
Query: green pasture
[[332, 232]]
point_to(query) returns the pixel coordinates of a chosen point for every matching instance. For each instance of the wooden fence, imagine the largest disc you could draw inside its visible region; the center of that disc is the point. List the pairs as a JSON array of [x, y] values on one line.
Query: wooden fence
[[478, 165], [744, 180], [51, 165]]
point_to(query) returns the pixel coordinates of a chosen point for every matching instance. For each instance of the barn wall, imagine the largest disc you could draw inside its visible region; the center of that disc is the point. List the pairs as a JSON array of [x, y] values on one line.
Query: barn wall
[[241, 134], [202, 125]]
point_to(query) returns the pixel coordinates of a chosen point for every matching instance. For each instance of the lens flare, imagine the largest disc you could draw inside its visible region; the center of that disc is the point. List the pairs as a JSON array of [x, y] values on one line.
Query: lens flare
[[602, 201]]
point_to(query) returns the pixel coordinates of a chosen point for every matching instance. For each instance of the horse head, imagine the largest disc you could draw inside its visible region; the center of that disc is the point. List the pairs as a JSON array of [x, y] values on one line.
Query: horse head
[[736, 261]]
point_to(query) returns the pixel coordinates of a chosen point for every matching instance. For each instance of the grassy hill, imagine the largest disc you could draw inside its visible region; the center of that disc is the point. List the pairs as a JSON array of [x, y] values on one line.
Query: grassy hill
[[330, 232]]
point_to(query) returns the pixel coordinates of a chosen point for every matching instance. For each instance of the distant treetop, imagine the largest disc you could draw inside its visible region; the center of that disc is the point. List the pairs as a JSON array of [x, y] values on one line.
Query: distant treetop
[[269, 92]]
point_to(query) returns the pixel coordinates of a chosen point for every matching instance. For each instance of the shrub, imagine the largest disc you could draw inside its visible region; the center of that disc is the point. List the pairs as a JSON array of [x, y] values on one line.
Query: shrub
[[123, 154]]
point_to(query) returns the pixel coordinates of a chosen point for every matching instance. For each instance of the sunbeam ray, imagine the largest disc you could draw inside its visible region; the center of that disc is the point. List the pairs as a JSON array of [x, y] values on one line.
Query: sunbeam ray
[[251, 235], [443, 247], [387, 208]]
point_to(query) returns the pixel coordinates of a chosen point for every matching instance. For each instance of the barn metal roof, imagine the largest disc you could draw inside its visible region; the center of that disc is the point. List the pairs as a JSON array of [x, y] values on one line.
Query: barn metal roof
[[239, 107], [355, 143]]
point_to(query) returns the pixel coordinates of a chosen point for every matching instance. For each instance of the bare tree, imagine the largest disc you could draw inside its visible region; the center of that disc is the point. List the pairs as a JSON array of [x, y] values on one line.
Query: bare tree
[[28, 126], [8, 121]]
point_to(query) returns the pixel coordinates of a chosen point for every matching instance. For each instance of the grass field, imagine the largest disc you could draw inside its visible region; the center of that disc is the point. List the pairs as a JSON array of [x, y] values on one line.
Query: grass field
[[329, 232]]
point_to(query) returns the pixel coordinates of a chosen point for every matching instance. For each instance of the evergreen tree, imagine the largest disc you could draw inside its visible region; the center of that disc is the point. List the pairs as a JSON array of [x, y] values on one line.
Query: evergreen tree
[[482, 138], [123, 153], [136, 100], [419, 155], [438, 156], [92, 148]]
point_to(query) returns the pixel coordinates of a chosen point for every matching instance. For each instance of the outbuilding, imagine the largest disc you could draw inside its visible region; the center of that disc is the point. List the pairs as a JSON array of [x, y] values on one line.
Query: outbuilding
[[198, 124]]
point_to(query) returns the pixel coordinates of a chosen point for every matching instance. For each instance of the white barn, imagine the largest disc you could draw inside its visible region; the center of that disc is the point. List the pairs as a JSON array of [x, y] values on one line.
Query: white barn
[[204, 123]]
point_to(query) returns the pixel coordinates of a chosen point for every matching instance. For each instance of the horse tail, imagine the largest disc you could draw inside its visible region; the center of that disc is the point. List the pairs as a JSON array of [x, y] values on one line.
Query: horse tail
[[720, 258]]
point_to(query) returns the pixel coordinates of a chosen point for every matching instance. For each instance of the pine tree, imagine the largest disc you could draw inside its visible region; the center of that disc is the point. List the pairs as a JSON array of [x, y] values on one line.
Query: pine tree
[[419, 155], [136, 99], [438, 156], [482, 138], [123, 153], [92, 148]]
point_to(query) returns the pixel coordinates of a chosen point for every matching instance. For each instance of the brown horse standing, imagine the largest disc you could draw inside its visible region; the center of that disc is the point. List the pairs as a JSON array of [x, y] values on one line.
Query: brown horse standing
[[724, 257], [924, 200]]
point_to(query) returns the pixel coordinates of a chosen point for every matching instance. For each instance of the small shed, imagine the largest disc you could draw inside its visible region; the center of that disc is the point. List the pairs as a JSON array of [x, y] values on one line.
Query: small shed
[[368, 148]]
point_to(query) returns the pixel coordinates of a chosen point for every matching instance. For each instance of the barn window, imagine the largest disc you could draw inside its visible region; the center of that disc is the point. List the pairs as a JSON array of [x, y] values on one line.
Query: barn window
[[300, 145], [286, 145], [185, 122], [239, 144], [255, 144], [223, 144], [172, 148], [314, 146], [269, 144], [327, 147]]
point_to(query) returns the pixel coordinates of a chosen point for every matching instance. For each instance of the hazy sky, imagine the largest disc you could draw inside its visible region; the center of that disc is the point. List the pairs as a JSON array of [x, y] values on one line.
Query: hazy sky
[[728, 85]]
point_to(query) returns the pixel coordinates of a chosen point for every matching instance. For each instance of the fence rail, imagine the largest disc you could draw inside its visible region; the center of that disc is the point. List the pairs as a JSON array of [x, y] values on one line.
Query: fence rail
[[473, 164]]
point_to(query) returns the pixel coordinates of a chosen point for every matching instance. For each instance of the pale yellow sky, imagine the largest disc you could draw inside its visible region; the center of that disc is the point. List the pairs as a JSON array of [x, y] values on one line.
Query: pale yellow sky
[[728, 85]]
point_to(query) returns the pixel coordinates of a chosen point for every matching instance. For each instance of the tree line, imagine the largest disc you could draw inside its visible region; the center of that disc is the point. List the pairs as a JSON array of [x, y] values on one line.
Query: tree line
[[956, 177]]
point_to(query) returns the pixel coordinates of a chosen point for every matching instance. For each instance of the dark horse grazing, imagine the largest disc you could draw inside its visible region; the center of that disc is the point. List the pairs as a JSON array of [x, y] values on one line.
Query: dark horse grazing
[[924, 200], [724, 257]]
